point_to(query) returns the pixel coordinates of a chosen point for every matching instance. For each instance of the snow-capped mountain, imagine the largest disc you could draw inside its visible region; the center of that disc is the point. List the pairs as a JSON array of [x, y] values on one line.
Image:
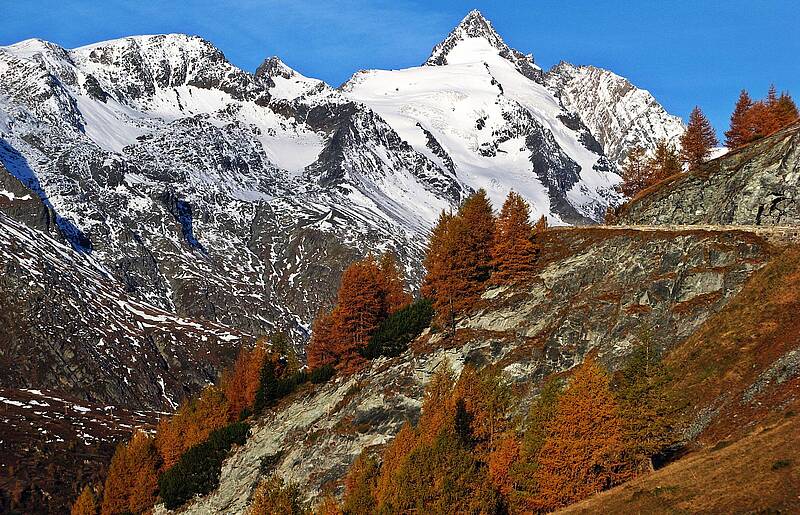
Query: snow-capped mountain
[[620, 115], [237, 198]]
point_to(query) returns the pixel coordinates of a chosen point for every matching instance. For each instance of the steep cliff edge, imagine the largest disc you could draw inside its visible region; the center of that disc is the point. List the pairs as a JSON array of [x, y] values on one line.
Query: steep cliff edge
[[755, 185], [597, 290]]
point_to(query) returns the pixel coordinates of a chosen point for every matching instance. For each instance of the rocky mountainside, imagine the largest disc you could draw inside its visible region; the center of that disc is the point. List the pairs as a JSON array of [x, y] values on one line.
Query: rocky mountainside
[[219, 194], [755, 185], [159, 206], [597, 292], [620, 115]]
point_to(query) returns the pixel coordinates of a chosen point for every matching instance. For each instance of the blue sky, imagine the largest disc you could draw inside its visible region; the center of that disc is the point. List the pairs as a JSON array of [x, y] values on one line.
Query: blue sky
[[684, 52]]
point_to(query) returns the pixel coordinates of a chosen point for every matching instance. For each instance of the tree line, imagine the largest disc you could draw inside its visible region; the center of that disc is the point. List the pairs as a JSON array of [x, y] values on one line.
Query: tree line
[[751, 120]]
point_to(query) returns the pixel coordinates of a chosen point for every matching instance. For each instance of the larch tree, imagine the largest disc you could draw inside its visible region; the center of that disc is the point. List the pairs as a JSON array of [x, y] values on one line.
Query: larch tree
[[513, 252], [785, 110], [274, 496], [582, 454], [698, 140], [368, 293], [320, 349], [360, 307], [665, 162], [191, 424], [393, 285], [86, 503], [241, 383], [648, 414], [360, 486], [132, 480], [459, 261], [739, 132], [635, 172], [536, 427]]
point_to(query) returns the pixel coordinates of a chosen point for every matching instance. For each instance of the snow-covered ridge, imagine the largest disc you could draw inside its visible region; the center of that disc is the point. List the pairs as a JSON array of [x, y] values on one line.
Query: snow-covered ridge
[[619, 114], [218, 193]]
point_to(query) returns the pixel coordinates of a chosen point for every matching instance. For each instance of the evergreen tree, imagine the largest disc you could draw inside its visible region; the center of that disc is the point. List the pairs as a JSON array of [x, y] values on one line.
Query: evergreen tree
[[739, 133], [635, 172], [640, 388], [513, 252], [698, 140], [582, 454]]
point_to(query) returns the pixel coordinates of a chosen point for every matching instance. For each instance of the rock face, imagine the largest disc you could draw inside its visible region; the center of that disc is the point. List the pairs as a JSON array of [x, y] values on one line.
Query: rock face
[[597, 292], [755, 185], [67, 326], [619, 115]]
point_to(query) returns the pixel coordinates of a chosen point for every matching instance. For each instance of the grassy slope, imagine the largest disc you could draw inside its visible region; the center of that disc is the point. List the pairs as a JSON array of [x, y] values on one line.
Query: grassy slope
[[759, 473], [751, 459], [731, 351]]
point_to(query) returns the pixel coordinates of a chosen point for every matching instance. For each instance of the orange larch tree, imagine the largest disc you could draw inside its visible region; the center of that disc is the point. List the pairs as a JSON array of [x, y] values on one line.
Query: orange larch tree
[[785, 110], [369, 292], [739, 133], [360, 308], [513, 252], [86, 503], [132, 481], [635, 173], [393, 285], [320, 349], [241, 383], [582, 454], [191, 424], [459, 261], [665, 162], [698, 140]]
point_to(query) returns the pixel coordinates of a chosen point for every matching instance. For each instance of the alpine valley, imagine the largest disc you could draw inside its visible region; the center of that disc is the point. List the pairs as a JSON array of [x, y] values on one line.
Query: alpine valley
[[161, 208]]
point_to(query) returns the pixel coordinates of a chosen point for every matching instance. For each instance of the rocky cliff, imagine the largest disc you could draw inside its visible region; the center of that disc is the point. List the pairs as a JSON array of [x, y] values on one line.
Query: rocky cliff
[[754, 185], [597, 291]]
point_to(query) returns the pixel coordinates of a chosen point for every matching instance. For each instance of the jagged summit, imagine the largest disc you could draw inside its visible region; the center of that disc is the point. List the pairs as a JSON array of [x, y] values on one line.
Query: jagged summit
[[474, 35]]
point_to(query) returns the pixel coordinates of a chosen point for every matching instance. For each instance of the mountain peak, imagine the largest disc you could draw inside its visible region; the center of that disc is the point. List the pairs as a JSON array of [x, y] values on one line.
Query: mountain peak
[[474, 27]]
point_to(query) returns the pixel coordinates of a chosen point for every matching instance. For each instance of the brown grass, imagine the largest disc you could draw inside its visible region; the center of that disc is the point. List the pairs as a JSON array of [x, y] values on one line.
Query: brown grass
[[757, 474], [728, 353]]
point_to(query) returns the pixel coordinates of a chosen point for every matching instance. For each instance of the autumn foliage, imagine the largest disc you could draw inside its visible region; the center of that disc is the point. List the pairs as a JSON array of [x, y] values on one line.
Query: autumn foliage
[[86, 503], [191, 424], [370, 291], [583, 452], [698, 140], [752, 120], [513, 251], [241, 383], [132, 481], [274, 496], [469, 454], [472, 248], [640, 172]]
